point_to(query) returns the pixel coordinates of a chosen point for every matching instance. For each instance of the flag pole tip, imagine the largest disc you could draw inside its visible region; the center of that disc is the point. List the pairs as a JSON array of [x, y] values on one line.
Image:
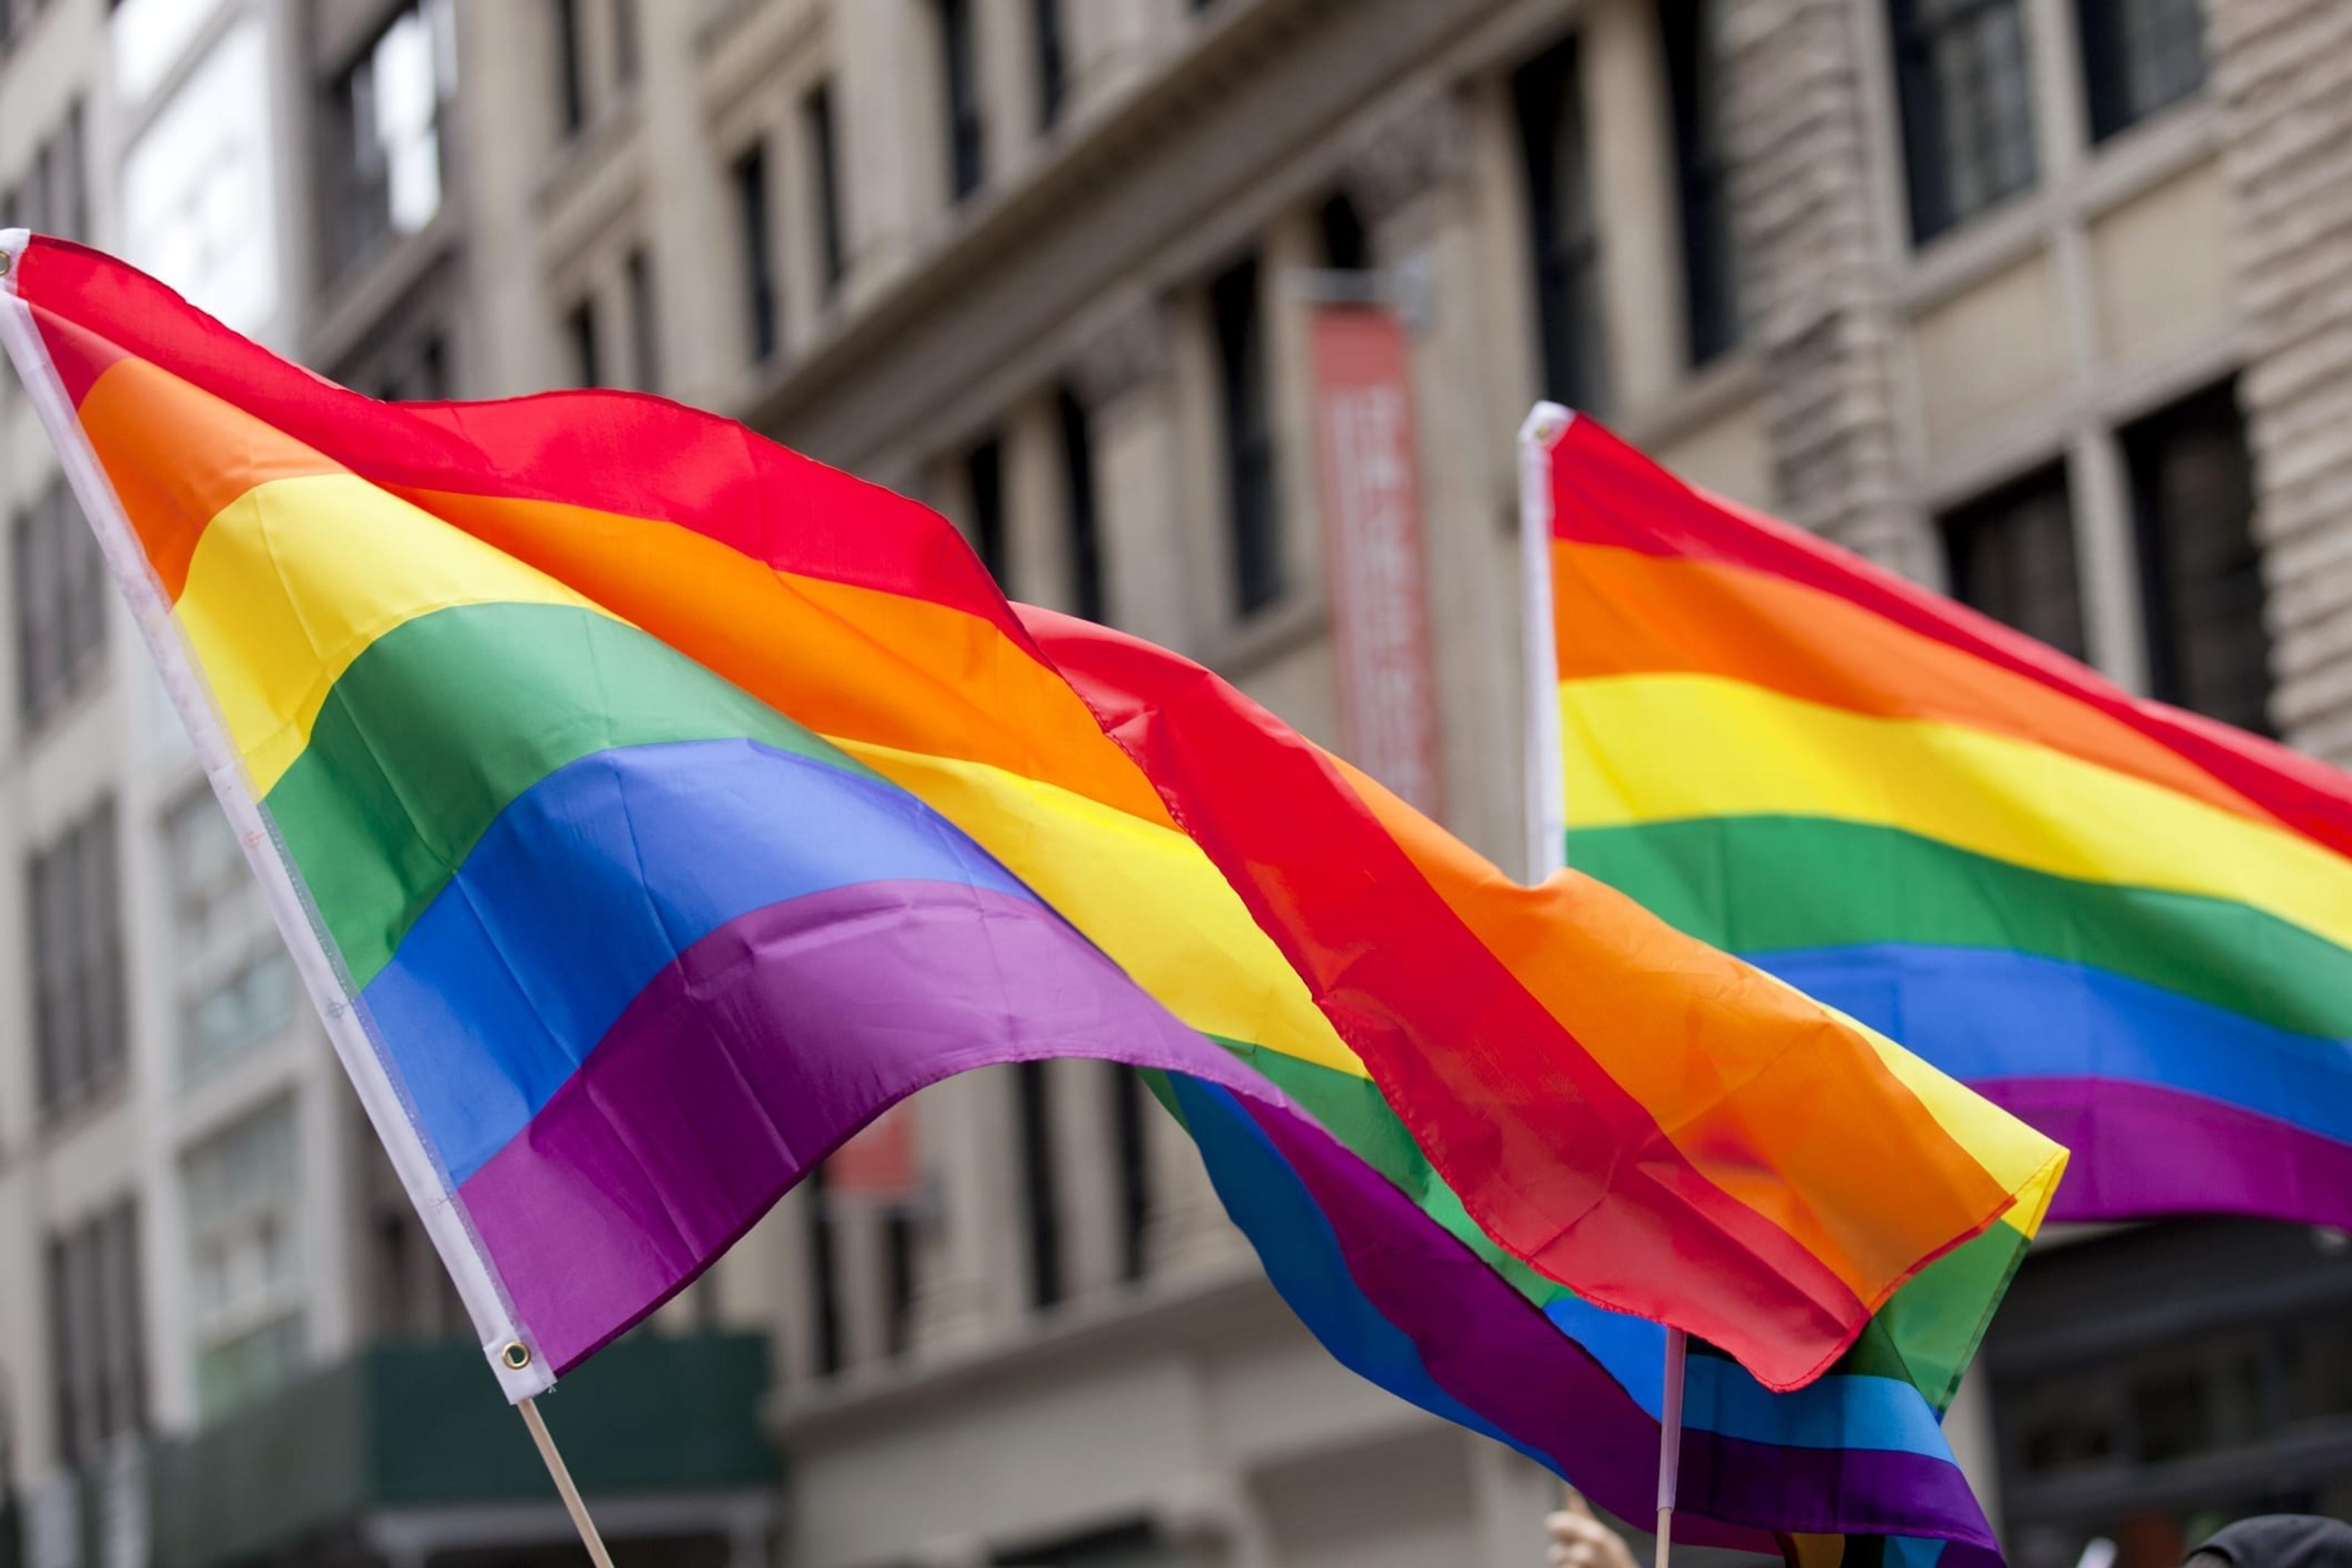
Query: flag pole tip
[[1545, 422]]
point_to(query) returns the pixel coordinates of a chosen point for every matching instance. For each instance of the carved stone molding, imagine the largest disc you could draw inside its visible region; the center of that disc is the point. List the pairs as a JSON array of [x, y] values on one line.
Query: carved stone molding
[[1127, 350], [1422, 147]]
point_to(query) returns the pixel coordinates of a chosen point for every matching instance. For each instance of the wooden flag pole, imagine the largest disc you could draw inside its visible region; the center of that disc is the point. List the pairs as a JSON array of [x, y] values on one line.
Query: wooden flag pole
[[570, 1493], [1670, 1441]]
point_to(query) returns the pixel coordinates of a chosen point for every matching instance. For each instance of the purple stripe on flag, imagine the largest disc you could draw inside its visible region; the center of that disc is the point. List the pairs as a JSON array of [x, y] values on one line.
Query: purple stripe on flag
[[2142, 1149], [767, 1043], [1497, 1352]]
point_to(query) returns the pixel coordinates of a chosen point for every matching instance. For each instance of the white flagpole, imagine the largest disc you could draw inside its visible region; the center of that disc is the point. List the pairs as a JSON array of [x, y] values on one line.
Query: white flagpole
[[1670, 1441], [1547, 813]]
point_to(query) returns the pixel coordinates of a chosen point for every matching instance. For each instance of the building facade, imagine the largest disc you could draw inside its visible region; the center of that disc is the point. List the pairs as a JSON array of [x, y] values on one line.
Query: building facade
[[2041, 301]]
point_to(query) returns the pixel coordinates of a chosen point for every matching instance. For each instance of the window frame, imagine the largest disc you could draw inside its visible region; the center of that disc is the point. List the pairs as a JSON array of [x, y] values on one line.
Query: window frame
[[2004, 502], [2143, 442], [1050, 38], [1927, 163], [755, 252], [1090, 597], [74, 904], [1258, 570], [1710, 281], [1548, 105], [818, 120], [961, 99], [2100, 27]]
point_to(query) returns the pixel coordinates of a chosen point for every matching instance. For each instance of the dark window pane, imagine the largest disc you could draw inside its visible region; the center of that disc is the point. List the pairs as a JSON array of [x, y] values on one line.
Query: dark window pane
[[1041, 1205], [984, 468], [2139, 55], [2012, 557], [380, 161], [1968, 108], [751, 177], [80, 1041], [2192, 487], [1253, 516], [825, 1276], [959, 77], [60, 593], [1702, 177], [645, 326], [1133, 1173], [571, 84], [1053, 69], [1347, 247], [97, 1336], [898, 1280], [1078, 489], [1562, 223], [580, 334], [2318, 1369], [816, 111]]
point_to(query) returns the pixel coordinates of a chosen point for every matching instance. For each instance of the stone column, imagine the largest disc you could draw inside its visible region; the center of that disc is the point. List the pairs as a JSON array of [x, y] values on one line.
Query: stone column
[[1815, 276], [964, 1133], [2282, 84], [1411, 180], [1122, 374]]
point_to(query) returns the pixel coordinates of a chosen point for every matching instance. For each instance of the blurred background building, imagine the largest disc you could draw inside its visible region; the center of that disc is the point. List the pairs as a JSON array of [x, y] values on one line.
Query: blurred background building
[[2047, 302]]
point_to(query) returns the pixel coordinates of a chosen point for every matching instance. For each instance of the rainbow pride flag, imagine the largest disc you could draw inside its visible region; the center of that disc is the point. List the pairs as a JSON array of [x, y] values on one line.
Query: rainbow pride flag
[[648, 807], [2130, 925]]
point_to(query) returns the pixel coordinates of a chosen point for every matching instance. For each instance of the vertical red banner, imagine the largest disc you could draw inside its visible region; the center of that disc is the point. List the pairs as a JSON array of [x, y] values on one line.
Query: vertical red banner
[[1367, 462]]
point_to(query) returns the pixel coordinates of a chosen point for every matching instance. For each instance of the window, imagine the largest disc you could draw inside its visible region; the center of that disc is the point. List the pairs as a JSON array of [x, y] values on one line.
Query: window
[[580, 338], [199, 185], [1253, 517], [2011, 554], [1968, 107], [1132, 1174], [1078, 495], [2139, 55], [77, 949], [383, 155], [625, 42], [409, 365], [233, 980], [96, 1346], [833, 250], [2200, 572], [61, 604], [1347, 247], [1549, 98], [898, 1280], [242, 1190], [983, 472], [2167, 1380], [644, 333], [1053, 67], [56, 198], [751, 177], [147, 39], [1702, 177], [409, 1294], [1033, 1108], [960, 75], [825, 1276], [570, 75]]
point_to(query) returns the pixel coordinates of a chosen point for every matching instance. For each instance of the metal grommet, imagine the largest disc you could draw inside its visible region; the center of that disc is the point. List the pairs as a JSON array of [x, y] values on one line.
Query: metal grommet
[[516, 1356], [6, 261]]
